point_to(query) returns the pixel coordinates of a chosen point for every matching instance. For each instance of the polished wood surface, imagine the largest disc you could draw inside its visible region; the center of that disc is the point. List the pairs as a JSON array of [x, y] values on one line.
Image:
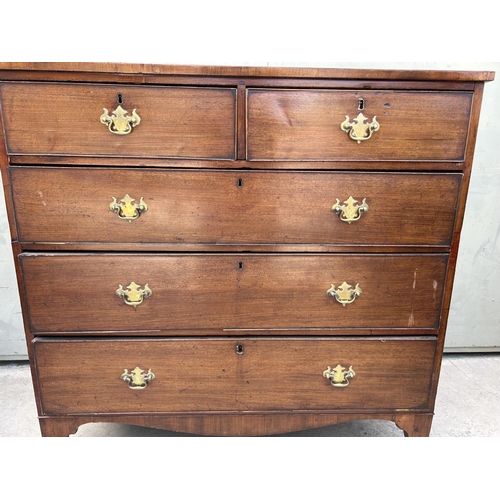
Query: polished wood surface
[[208, 375], [305, 125], [140, 70], [76, 292], [240, 168], [71, 205], [237, 424], [175, 121]]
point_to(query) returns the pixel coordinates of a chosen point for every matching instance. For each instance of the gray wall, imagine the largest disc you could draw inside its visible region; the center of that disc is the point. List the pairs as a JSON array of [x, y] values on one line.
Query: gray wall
[[474, 323], [12, 345]]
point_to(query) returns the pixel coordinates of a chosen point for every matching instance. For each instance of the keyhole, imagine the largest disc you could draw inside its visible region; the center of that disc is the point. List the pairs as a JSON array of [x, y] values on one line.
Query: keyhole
[[239, 349], [240, 183], [361, 104], [119, 98], [240, 265]]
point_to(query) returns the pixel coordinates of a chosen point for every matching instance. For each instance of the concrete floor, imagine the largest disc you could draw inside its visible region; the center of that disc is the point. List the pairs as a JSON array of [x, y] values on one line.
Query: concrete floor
[[467, 405]]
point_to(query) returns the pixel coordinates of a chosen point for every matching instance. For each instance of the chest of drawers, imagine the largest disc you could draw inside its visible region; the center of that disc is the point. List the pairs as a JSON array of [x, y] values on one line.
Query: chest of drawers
[[235, 251]]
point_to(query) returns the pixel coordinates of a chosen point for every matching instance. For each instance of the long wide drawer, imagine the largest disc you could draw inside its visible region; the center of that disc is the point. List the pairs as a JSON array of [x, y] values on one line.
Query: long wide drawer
[[175, 122], [189, 375], [75, 205], [229, 292], [306, 125]]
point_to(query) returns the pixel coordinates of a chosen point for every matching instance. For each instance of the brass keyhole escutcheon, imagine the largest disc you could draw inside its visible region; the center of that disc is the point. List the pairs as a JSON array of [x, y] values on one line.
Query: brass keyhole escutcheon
[[239, 349]]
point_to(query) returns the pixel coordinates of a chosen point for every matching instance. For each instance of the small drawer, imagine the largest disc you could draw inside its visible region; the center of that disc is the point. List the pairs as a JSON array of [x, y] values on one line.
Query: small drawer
[[175, 122], [76, 205], [306, 125], [268, 374], [167, 293]]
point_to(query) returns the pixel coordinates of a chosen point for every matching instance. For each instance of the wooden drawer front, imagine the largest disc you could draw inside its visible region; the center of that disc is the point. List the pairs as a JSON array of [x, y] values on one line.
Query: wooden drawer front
[[72, 205], [271, 374], [175, 122], [76, 292], [305, 125]]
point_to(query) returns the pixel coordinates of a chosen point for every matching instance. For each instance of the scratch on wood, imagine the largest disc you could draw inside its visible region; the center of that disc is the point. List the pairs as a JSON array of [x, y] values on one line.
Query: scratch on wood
[[41, 196], [411, 320]]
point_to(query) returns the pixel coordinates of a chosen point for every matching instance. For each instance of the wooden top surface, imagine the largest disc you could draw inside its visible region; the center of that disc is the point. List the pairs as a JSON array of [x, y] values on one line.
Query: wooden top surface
[[249, 71]]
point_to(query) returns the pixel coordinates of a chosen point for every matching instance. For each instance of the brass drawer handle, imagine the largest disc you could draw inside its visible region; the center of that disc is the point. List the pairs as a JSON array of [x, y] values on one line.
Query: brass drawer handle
[[119, 123], [339, 376], [358, 130], [344, 294], [137, 379], [133, 295], [350, 211], [127, 208]]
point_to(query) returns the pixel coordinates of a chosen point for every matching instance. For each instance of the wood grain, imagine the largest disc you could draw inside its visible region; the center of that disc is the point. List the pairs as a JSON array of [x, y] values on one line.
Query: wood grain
[[71, 205], [305, 125], [175, 121], [264, 72], [237, 424], [246, 161], [76, 292], [83, 376]]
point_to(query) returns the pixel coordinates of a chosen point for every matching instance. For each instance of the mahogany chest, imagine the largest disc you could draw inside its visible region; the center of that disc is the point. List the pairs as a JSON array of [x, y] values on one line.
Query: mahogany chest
[[235, 251]]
